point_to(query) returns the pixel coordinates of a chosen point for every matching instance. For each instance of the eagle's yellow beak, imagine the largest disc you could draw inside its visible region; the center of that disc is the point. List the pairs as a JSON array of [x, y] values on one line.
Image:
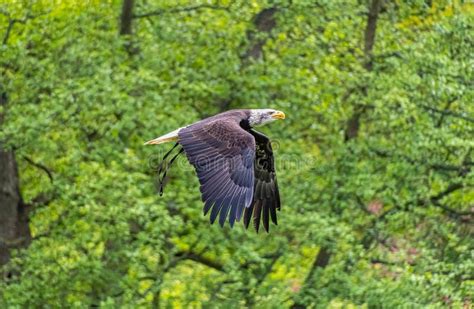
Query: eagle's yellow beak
[[278, 115]]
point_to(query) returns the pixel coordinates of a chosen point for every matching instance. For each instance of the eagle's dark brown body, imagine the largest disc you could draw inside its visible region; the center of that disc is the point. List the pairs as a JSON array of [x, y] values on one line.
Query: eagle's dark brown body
[[234, 164]]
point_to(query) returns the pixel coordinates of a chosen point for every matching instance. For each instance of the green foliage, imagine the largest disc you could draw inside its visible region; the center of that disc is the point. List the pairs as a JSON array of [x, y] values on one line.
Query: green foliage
[[392, 205]]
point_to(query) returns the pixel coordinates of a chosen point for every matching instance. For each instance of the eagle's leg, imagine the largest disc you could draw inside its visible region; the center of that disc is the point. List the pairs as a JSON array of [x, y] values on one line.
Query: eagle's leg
[[164, 158], [164, 167]]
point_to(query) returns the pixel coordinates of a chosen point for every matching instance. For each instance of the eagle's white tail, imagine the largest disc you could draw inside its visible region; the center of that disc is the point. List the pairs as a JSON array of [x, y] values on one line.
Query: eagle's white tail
[[169, 137]]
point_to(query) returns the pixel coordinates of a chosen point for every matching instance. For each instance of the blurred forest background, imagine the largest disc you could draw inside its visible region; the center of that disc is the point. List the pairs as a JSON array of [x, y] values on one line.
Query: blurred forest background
[[375, 159]]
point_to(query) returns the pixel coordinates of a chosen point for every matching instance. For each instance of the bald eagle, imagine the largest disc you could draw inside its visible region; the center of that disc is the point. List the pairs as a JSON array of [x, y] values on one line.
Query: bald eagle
[[234, 163]]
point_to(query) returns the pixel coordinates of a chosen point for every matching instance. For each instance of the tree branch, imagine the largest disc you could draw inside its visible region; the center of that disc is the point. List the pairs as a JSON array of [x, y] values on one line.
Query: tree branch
[[274, 258], [446, 109], [321, 261], [435, 166], [455, 213], [450, 189], [447, 113], [384, 262], [453, 187], [13, 21], [200, 259], [184, 9], [42, 199], [41, 167]]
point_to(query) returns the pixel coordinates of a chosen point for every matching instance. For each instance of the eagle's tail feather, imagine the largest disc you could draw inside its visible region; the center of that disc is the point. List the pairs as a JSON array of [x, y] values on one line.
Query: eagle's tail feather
[[169, 137]]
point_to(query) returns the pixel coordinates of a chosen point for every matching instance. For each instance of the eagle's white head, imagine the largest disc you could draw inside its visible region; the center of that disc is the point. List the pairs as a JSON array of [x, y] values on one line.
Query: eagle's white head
[[260, 117]]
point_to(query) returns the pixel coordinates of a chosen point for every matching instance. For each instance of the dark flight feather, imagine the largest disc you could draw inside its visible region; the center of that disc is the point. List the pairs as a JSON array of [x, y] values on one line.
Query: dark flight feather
[[266, 199]]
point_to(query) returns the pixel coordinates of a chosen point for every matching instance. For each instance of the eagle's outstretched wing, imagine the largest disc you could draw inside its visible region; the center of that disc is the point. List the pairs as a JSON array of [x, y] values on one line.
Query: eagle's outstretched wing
[[266, 197], [223, 155]]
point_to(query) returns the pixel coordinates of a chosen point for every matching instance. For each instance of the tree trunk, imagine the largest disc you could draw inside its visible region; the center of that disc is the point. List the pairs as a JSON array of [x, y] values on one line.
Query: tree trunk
[[14, 228], [264, 22], [353, 124], [370, 30], [126, 17], [126, 28]]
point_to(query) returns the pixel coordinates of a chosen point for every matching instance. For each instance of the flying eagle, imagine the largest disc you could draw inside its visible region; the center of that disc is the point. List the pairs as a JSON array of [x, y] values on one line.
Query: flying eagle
[[234, 164]]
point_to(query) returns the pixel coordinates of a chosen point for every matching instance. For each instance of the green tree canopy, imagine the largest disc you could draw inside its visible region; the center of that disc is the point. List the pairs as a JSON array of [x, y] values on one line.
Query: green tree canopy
[[374, 159]]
